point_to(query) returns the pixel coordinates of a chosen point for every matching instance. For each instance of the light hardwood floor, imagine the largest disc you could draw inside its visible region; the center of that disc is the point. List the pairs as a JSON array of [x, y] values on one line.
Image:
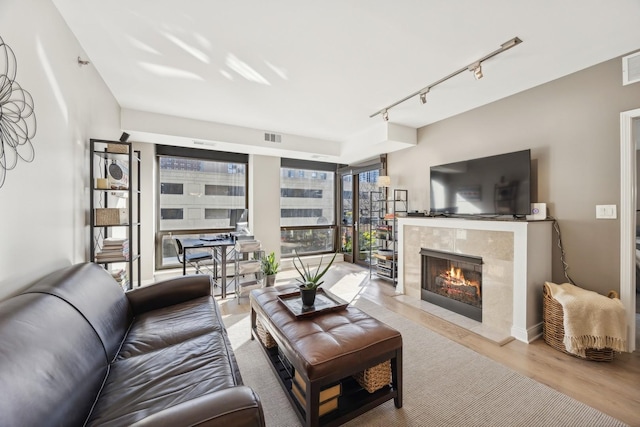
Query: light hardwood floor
[[611, 387]]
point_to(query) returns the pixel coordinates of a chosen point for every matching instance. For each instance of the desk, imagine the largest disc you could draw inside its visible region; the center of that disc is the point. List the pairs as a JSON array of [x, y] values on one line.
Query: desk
[[214, 245]]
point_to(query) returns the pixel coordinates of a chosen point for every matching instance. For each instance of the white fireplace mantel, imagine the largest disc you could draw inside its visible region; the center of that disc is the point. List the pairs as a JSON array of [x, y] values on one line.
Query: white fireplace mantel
[[516, 262]]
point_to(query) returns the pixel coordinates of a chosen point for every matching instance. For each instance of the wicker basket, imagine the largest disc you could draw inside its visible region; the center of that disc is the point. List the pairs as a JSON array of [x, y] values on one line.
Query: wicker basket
[[376, 377], [553, 328], [118, 148], [107, 216], [264, 335]]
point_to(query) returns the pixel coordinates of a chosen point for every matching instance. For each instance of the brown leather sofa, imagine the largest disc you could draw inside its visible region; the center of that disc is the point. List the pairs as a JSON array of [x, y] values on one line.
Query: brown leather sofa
[[75, 350]]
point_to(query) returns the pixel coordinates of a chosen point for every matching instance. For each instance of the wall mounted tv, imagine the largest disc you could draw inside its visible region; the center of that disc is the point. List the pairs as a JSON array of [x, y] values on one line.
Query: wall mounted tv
[[495, 185]]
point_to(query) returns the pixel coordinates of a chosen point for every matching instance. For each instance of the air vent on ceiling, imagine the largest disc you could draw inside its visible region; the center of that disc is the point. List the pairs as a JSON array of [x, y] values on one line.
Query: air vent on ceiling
[[272, 137], [631, 69], [212, 144]]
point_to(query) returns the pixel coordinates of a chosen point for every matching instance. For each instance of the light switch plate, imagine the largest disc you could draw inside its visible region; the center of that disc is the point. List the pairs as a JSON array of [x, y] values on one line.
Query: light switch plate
[[606, 212]]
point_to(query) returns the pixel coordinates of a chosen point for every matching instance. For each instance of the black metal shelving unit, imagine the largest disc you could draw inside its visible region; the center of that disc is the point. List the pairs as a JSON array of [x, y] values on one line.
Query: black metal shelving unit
[[115, 210], [384, 254]]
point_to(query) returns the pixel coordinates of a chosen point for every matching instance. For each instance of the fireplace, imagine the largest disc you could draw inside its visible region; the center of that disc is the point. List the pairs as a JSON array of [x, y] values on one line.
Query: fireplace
[[452, 281]]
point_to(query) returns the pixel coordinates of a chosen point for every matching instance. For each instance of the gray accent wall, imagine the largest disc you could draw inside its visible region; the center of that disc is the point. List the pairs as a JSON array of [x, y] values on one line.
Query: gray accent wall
[[572, 126]]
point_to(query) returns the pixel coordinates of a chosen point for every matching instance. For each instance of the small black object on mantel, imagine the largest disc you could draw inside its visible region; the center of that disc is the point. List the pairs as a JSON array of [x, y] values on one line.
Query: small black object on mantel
[[124, 137]]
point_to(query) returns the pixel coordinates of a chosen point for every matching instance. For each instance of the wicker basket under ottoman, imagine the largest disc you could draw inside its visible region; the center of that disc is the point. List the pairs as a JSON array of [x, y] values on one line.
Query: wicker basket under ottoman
[[374, 378], [553, 328], [264, 335]]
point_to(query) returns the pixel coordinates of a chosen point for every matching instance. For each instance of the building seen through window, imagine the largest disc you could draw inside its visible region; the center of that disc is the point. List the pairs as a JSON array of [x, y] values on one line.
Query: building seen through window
[[192, 189], [307, 199], [197, 195]]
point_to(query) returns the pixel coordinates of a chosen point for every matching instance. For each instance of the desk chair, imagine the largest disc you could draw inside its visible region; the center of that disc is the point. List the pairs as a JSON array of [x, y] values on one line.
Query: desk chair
[[198, 260]]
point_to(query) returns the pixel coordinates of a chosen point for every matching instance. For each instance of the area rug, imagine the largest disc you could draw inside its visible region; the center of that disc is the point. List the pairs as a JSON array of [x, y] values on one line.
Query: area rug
[[445, 384]]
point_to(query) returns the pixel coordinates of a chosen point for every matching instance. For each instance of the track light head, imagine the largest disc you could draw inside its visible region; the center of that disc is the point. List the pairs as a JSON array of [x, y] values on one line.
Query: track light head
[[476, 69], [423, 97], [385, 115], [478, 73]]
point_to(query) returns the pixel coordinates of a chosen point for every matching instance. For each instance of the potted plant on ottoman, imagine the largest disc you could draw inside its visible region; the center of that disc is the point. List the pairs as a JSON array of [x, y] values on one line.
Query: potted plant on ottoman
[[310, 280], [270, 268]]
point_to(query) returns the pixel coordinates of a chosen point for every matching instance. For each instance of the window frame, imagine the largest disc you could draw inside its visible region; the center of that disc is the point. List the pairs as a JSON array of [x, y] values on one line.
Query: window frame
[[320, 168], [191, 154]]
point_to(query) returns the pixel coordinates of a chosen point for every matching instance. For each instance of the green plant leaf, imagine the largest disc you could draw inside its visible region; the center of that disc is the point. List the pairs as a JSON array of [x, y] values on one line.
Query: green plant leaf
[[308, 279]]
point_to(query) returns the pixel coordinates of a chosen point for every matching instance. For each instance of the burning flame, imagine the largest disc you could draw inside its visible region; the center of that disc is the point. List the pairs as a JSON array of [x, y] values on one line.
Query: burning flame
[[457, 277], [456, 273]]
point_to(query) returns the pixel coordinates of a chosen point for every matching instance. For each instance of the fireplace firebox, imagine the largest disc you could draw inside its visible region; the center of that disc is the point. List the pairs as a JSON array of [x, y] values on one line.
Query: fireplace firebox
[[452, 281]]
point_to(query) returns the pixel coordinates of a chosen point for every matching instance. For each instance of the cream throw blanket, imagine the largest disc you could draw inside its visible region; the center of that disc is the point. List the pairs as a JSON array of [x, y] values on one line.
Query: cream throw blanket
[[591, 320]]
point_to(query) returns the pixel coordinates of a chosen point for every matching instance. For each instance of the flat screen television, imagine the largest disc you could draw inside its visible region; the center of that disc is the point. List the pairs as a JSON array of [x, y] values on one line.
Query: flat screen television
[[495, 185]]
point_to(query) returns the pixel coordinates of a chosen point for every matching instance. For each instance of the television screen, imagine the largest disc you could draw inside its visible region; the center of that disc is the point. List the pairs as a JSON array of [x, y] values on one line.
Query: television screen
[[495, 185]]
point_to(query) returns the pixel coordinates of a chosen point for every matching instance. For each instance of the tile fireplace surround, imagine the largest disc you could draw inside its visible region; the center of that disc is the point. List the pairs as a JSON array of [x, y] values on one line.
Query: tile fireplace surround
[[516, 258]]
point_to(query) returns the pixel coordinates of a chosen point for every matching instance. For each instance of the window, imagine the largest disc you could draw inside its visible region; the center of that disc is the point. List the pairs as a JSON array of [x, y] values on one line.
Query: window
[[216, 213], [300, 213], [171, 188], [201, 192], [307, 207], [301, 192], [223, 190], [170, 214]]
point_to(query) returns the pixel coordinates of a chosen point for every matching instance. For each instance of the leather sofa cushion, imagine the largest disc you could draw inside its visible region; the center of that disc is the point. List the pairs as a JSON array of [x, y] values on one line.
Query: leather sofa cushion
[[161, 328], [93, 292], [172, 355], [326, 343], [48, 350]]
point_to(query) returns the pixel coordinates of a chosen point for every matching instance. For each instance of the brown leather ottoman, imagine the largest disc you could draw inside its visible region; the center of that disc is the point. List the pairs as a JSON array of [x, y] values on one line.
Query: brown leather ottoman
[[325, 350]]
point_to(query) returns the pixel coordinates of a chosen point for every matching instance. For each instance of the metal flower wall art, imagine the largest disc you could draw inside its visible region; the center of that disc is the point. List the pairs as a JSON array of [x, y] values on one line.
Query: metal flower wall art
[[17, 118]]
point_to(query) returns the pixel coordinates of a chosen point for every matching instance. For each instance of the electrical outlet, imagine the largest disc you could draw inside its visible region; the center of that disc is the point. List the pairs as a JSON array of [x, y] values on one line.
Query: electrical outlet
[[606, 212]]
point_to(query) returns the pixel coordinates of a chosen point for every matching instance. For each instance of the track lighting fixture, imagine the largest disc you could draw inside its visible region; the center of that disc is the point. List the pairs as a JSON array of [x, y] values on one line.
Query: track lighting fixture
[[475, 67], [423, 96]]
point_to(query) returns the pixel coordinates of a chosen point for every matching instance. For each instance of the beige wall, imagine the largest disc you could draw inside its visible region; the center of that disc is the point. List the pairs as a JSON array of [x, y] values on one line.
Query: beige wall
[[45, 203], [264, 201], [572, 127]]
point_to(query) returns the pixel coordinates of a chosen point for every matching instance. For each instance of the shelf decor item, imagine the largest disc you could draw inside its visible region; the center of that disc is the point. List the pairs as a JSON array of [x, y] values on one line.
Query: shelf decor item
[[117, 148], [111, 216], [118, 175]]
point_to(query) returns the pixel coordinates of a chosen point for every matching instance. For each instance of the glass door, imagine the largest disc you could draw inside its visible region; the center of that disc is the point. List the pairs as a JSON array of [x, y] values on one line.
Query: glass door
[[346, 222], [366, 185]]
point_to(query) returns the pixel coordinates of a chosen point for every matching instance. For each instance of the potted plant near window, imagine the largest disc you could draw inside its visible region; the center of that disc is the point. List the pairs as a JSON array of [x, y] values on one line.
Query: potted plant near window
[[270, 268], [310, 279], [346, 248]]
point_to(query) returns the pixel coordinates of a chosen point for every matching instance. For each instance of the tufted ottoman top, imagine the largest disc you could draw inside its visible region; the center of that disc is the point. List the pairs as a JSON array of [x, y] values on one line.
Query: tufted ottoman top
[[327, 343]]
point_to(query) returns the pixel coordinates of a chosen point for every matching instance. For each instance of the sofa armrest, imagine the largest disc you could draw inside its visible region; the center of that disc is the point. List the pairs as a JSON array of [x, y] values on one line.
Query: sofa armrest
[[236, 406], [169, 292]]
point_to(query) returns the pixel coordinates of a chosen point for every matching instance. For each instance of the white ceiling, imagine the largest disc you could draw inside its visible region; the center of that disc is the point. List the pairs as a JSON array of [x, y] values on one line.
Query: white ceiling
[[319, 69]]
